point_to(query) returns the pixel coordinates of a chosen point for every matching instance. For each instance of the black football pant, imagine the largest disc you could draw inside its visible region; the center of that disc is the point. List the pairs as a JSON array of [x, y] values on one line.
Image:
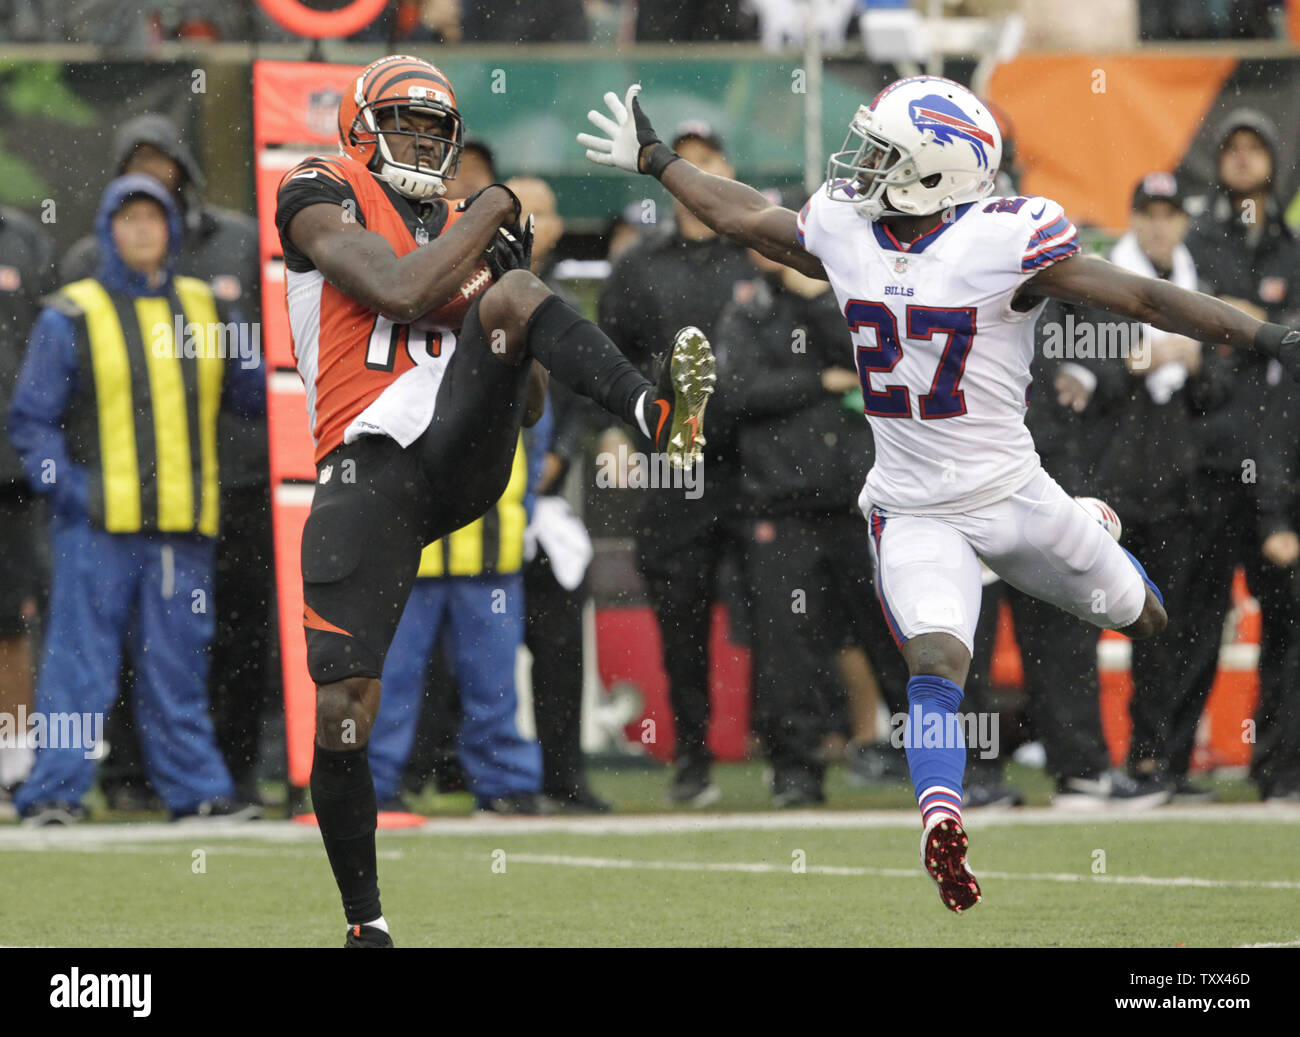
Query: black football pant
[[811, 593], [553, 633], [1224, 536], [1166, 548], [1276, 763], [1059, 655], [247, 627], [679, 547]]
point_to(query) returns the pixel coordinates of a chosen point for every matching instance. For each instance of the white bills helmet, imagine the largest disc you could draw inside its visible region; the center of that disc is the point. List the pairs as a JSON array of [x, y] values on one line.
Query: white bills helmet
[[925, 143]]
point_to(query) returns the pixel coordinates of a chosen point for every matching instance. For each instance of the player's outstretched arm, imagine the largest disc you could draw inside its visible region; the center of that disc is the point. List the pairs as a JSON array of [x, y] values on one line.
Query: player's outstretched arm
[[363, 265], [1151, 300], [729, 207]]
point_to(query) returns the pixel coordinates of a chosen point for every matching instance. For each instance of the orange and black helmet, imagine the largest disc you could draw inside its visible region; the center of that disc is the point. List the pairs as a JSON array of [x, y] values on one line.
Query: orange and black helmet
[[400, 85]]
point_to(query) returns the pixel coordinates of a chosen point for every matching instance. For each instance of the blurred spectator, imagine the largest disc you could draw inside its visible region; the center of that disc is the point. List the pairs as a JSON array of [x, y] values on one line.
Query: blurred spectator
[[1210, 19], [1275, 765], [220, 248], [670, 21], [783, 24], [127, 26], [121, 435], [26, 273], [413, 21], [626, 228], [1246, 255], [803, 449], [509, 21], [477, 169], [1164, 387], [668, 280], [555, 576]]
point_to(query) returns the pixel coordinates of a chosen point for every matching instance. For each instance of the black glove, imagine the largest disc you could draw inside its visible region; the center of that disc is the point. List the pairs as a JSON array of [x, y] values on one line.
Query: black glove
[[465, 203], [660, 156], [1277, 340], [1288, 354], [511, 249]]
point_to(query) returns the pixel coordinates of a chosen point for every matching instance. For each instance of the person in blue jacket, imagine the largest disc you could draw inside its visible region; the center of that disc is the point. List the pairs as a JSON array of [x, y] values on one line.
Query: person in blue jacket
[[115, 420]]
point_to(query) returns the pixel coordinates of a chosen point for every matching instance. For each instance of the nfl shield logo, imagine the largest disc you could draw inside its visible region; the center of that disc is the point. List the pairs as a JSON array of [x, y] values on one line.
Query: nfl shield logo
[[325, 474], [900, 265], [323, 112]]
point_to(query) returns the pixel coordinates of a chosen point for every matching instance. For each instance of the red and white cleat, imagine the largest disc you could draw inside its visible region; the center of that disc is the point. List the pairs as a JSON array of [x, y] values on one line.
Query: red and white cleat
[[943, 852]]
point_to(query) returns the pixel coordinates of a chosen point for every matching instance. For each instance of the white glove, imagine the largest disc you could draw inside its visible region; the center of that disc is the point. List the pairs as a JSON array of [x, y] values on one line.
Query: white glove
[[619, 147]]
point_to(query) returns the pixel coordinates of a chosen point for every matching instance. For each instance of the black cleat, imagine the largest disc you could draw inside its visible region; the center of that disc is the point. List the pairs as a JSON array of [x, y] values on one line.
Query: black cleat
[[874, 764], [580, 801], [1183, 790], [367, 936], [516, 803], [219, 809], [693, 784], [1113, 790], [993, 794], [674, 412], [797, 795], [43, 815]]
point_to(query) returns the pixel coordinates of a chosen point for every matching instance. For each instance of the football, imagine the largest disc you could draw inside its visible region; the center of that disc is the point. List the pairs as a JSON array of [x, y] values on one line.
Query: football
[[450, 312]]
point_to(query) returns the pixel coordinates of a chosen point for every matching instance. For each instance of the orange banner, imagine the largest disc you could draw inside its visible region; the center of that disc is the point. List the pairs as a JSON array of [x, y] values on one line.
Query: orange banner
[[1089, 127], [295, 110]]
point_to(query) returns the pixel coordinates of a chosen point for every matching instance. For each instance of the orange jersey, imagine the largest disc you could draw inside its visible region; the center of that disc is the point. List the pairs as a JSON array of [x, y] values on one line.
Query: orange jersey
[[350, 356]]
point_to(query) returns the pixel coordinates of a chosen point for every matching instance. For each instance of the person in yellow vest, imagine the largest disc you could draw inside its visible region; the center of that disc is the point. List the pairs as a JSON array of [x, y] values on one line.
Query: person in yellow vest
[[472, 580], [115, 420]]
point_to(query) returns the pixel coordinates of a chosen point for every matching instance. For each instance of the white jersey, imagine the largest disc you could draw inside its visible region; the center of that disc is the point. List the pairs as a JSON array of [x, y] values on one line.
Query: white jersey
[[944, 359]]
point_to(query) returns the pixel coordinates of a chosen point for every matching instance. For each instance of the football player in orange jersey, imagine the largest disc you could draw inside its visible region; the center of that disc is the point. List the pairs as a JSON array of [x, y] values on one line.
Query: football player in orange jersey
[[416, 327]]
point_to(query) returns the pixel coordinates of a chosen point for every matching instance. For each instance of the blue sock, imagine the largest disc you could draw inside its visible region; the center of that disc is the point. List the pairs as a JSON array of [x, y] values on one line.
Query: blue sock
[[1143, 573], [936, 746]]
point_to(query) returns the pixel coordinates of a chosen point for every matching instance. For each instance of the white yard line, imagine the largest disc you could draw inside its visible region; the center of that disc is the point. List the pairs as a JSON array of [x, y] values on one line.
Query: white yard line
[[17, 837], [1289, 943], [185, 847], [765, 868]]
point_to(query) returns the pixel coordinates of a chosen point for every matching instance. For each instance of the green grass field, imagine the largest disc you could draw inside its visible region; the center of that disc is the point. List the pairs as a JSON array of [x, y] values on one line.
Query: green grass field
[[1200, 877]]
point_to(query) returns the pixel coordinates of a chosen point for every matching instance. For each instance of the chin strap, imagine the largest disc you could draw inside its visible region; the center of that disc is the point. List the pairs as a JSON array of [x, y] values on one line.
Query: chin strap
[[406, 185]]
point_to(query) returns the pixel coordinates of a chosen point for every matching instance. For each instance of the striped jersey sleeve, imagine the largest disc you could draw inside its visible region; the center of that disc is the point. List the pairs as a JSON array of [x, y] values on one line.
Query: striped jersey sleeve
[[1051, 236], [808, 224]]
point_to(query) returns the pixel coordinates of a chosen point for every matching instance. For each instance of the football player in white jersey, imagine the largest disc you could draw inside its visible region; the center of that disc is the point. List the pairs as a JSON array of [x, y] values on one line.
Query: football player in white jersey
[[940, 286]]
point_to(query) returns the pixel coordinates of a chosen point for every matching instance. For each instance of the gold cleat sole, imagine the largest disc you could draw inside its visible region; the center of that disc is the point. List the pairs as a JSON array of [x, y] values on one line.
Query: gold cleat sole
[[694, 376]]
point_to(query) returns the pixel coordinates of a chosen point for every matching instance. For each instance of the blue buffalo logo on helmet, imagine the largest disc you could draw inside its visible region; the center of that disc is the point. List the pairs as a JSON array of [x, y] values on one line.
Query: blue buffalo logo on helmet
[[950, 124]]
